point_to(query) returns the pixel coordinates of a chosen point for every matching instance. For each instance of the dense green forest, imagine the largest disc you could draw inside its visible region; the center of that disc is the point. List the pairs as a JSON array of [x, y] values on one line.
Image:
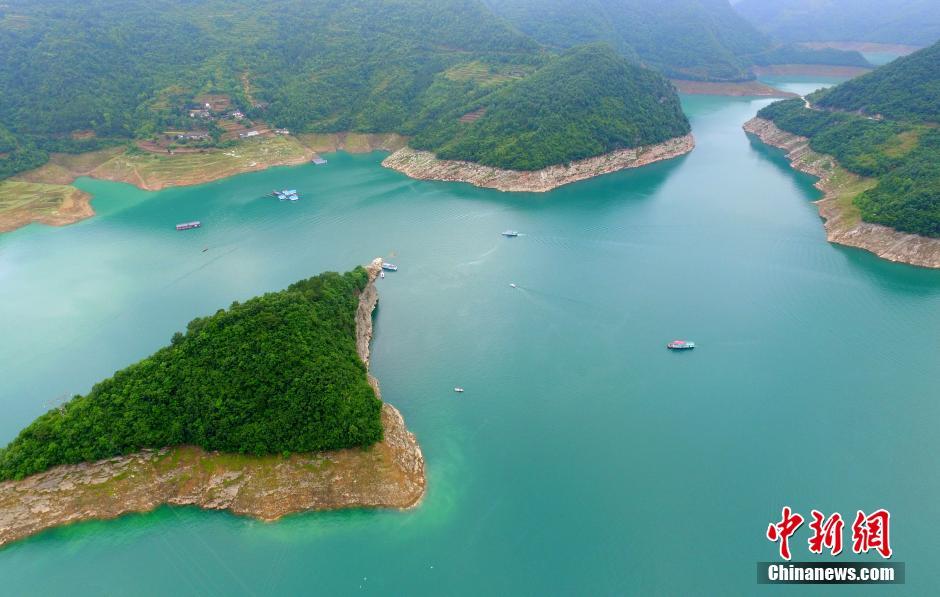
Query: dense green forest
[[914, 22], [278, 373], [907, 89], [123, 69], [83, 75], [587, 102], [686, 39], [895, 138]]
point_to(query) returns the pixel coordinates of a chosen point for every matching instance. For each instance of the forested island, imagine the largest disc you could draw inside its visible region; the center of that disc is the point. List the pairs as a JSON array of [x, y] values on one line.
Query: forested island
[[263, 408], [881, 131], [163, 93]]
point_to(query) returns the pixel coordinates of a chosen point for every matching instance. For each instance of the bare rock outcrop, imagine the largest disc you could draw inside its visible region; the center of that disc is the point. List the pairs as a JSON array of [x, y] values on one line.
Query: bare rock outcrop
[[424, 165]]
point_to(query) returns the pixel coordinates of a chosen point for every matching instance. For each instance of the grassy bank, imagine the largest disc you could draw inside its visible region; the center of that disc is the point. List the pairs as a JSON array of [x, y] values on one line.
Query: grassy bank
[[45, 194], [23, 203]]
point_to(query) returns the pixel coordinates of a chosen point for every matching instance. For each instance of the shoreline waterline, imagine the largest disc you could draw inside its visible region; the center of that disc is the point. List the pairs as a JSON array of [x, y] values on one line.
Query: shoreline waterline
[[424, 165], [842, 225]]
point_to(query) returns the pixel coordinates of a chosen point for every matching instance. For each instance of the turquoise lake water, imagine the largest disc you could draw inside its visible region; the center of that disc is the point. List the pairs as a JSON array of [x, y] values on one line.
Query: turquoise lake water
[[583, 458]]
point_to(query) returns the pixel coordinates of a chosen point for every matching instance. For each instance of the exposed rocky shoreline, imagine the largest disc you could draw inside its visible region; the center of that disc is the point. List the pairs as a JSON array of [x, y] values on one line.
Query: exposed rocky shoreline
[[390, 474], [842, 220], [424, 165], [811, 70], [735, 89]]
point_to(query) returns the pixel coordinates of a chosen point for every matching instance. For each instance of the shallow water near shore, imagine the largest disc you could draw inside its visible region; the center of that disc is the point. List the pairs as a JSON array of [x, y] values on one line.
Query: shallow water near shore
[[583, 457]]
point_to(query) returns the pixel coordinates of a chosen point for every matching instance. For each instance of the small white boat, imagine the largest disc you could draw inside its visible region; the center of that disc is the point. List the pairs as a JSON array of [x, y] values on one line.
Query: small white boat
[[511, 233], [458, 390], [382, 274], [511, 285], [389, 266]]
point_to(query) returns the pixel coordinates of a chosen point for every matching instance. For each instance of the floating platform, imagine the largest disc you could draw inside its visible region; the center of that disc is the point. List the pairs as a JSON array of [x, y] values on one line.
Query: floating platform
[[286, 195]]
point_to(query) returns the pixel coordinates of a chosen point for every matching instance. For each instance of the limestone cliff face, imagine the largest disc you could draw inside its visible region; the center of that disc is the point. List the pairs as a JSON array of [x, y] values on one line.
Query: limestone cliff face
[[425, 166], [389, 474], [843, 225]]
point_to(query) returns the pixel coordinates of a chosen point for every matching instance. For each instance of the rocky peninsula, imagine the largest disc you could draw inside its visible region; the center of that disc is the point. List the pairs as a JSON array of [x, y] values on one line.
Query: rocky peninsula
[[424, 165], [390, 474], [843, 221]]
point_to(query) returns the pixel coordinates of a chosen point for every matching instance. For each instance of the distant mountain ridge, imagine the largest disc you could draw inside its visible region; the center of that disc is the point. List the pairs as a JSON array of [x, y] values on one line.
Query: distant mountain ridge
[[686, 39], [913, 22]]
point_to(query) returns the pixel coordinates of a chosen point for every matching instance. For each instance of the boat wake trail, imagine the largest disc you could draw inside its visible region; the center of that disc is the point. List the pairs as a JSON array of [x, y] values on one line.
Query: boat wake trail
[[196, 269], [554, 297], [481, 258]]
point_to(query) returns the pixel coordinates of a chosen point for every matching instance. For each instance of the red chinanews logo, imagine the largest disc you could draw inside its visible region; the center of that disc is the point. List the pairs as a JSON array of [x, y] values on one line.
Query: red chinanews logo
[[869, 533]]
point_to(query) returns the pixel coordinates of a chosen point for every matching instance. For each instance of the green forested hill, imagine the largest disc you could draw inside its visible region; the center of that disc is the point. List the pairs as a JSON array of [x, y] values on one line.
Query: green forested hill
[[124, 66], [278, 373], [895, 139], [688, 39], [906, 89], [914, 22], [79, 75], [572, 108]]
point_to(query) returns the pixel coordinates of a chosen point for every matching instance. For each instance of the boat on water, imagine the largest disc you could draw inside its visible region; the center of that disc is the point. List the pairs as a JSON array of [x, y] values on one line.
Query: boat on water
[[513, 285], [511, 233], [188, 225], [286, 195], [381, 274], [458, 390], [391, 267], [318, 161], [680, 345]]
